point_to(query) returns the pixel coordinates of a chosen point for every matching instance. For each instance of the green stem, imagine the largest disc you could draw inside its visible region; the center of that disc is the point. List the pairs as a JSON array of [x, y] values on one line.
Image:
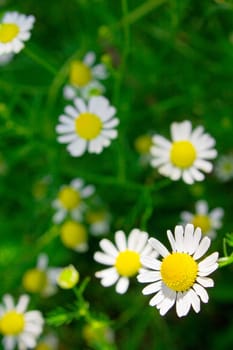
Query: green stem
[[40, 61]]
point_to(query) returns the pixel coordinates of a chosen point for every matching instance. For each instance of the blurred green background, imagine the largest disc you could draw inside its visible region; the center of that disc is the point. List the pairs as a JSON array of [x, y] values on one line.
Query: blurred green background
[[171, 60]]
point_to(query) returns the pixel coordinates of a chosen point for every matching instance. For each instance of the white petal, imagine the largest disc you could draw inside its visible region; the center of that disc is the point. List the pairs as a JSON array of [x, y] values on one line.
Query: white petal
[[109, 280], [203, 165], [87, 191], [149, 276], [196, 239], [208, 154], [23, 303], [110, 133], [42, 261], [111, 123], [66, 138], [77, 147], [64, 128], [80, 105], [179, 238], [122, 285], [171, 240], [89, 58], [9, 342], [104, 258], [120, 240], [159, 247], [207, 262], [201, 292], [106, 272], [133, 239], [108, 247], [187, 177], [208, 270], [202, 207], [168, 302], [150, 263], [152, 288], [157, 298], [181, 306], [202, 249], [161, 141], [205, 281], [71, 111], [195, 301]]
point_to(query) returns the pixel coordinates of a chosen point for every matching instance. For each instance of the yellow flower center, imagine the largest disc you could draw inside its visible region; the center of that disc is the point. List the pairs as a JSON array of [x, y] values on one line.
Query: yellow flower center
[[69, 198], [88, 125], [80, 74], [34, 280], [12, 323], [143, 144], [8, 31], [73, 234], [43, 346], [202, 221], [179, 271], [128, 263], [182, 154]]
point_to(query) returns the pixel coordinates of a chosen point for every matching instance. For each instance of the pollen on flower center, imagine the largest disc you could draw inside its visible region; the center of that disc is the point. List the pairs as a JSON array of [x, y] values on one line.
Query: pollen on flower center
[[182, 154], [8, 31], [128, 263], [73, 234], [88, 125], [202, 221], [80, 74], [69, 198], [12, 323], [179, 271]]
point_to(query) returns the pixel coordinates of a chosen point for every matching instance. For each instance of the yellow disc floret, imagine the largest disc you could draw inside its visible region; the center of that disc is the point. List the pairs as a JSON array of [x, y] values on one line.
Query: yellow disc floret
[[88, 125], [69, 198], [8, 31], [183, 154], [143, 144], [80, 74], [127, 263], [73, 234], [179, 271], [12, 323], [202, 221], [34, 280]]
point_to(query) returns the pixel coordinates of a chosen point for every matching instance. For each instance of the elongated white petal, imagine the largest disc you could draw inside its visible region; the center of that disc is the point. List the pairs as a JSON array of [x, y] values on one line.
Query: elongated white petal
[[108, 247], [202, 249], [122, 285], [159, 247]]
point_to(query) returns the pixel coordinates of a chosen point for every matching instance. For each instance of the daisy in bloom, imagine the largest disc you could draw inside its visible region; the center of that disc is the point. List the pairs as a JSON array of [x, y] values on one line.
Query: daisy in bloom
[[186, 156], [17, 326], [14, 31], [99, 221], [70, 200], [41, 279], [74, 236], [87, 127], [208, 221], [224, 168], [84, 76], [124, 258], [179, 278]]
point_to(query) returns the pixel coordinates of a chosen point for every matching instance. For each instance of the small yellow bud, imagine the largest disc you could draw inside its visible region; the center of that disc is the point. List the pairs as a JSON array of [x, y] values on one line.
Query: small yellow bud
[[68, 277]]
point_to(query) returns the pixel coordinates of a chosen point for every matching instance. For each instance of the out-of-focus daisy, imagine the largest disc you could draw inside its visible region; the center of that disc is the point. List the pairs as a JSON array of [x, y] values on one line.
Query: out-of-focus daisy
[[68, 277], [48, 342], [224, 168], [124, 258], [88, 127], [41, 279], [179, 278], [208, 221], [18, 326], [143, 145], [74, 236], [14, 31], [186, 156], [99, 221], [5, 59], [70, 200], [97, 333], [92, 89]]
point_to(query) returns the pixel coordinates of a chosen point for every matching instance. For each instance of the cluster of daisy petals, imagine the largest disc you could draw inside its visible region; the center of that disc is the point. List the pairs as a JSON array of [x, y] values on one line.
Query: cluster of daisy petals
[[179, 278]]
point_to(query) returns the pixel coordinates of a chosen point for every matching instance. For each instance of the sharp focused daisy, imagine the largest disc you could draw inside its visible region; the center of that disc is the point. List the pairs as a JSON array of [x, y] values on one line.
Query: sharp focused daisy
[[41, 279], [14, 31], [179, 278], [70, 200], [224, 168], [19, 327], [74, 236], [124, 258], [208, 221], [186, 156], [87, 127]]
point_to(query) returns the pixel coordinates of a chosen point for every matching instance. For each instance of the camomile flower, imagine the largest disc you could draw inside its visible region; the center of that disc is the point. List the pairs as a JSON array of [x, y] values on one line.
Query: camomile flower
[[74, 236], [124, 258], [224, 168], [94, 88], [179, 278], [99, 221], [186, 156], [41, 279], [208, 221], [87, 127], [70, 200], [15, 29], [18, 326]]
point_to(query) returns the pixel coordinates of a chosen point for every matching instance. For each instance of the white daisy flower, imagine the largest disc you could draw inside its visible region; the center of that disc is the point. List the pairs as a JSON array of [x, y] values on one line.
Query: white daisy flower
[[14, 31], [99, 222], [179, 279], [124, 258], [19, 327], [88, 127], [186, 156], [208, 222], [70, 200], [41, 279], [74, 236], [224, 168], [94, 88]]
